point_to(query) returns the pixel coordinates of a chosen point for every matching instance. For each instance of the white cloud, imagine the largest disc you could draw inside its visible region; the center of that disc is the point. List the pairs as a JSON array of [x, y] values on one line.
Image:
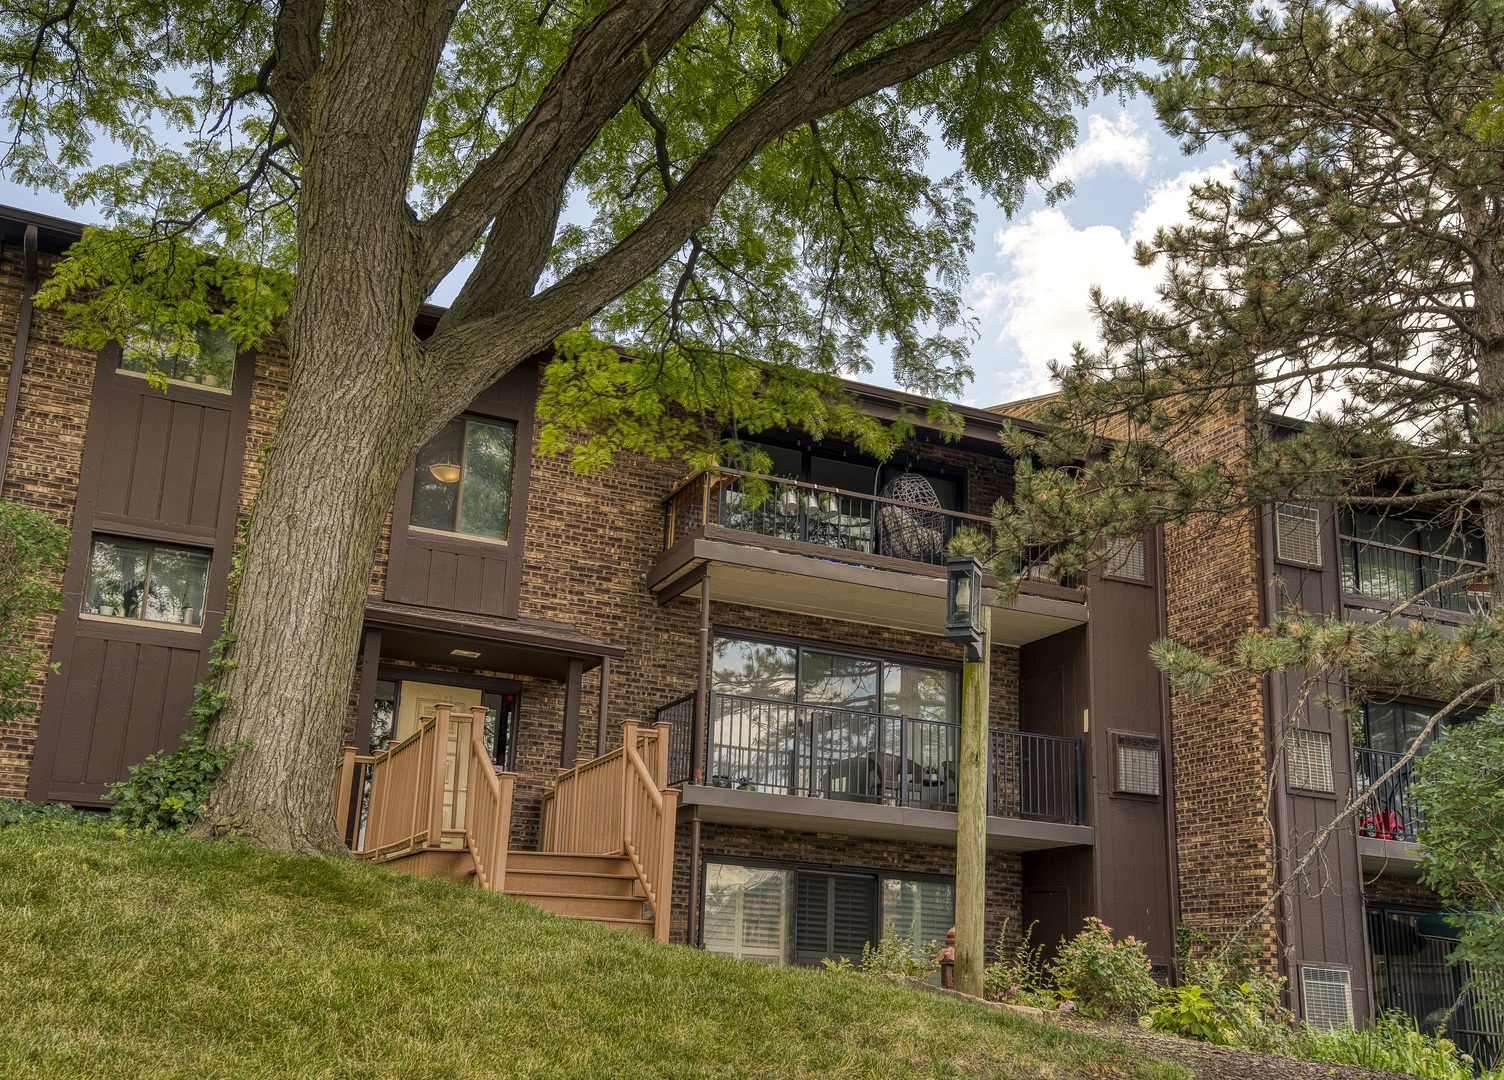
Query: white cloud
[[1109, 144], [1038, 302]]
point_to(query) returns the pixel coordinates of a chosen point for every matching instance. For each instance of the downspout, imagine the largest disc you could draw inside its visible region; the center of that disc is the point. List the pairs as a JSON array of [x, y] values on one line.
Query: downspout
[[1274, 715], [23, 339], [693, 937], [1166, 736]]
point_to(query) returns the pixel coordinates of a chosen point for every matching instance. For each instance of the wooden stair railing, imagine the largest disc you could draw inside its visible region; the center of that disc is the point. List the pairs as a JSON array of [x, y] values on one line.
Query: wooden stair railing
[[620, 804], [437, 785]]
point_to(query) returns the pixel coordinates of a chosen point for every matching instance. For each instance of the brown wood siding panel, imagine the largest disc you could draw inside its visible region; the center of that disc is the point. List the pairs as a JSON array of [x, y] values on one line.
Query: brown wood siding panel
[[183, 437], [111, 720], [80, 703], [209, 475], [121, 418], [496, 582], [442, 566], [468, 575], [143, 719], [150, 459]]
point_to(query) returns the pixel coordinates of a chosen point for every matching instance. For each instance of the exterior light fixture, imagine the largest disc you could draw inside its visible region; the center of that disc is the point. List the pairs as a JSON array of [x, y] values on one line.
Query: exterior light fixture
[[963, 604], [466, 653], [445, 472]]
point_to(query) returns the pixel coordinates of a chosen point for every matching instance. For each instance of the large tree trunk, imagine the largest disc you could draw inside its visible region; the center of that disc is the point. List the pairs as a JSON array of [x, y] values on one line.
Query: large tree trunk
[[348, 431]]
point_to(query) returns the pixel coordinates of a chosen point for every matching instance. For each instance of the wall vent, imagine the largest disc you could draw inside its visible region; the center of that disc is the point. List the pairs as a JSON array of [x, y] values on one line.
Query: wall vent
[[1125, 559], [1297, 533], [1326, 997], [1138, 765], [1308, 760]]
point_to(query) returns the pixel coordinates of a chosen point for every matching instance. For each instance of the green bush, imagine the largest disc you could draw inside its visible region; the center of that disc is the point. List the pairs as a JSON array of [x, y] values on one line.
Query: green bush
[[1394, 1043], [1018, 975], [1228, 1004], [1102, 976], [33, 552], [895, 954]]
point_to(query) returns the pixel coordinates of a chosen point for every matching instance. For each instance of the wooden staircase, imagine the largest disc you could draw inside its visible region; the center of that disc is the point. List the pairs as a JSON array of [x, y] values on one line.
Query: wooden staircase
[[601, 888], [434, 805]]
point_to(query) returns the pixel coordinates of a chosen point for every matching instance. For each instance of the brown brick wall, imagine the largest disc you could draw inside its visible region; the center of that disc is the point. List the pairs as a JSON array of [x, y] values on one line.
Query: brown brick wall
[[46, 457], [1225, 848]]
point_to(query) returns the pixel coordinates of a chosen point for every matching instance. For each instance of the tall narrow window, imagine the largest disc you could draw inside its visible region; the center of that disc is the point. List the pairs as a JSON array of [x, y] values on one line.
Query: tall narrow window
[[463, 479]]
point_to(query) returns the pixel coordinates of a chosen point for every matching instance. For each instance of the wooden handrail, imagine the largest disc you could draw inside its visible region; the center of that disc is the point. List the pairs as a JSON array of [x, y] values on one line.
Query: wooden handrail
[[619, 804]]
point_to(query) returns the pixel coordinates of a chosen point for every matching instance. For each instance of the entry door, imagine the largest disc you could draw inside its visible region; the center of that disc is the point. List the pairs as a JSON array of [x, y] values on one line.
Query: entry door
[[416, 700]]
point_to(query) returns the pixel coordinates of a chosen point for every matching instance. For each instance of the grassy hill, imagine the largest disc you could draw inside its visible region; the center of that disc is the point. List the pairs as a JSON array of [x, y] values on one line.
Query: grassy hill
[[129, 957]]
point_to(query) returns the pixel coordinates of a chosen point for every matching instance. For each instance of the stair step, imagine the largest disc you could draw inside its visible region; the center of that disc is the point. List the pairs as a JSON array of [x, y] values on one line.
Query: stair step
[[568, 882], [609, 865], [596, 908]]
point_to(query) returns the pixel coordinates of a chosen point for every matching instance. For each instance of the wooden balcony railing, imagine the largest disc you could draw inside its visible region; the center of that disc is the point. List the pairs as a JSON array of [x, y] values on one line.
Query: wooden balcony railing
[[436, 789], [620, 804]]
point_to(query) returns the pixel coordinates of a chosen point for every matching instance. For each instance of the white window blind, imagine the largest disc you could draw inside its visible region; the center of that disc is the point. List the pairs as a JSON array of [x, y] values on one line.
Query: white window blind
[[1308, 760], [1138, 764], [1297, 533], [1125, 559]]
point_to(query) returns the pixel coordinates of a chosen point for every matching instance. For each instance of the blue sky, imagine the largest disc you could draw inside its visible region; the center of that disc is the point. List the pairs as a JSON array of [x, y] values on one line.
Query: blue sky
[[1029, 275]]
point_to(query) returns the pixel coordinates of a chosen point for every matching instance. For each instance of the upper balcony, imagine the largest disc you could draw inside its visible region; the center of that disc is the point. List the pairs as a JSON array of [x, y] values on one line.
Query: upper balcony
[[812, 549], [1391, 564]]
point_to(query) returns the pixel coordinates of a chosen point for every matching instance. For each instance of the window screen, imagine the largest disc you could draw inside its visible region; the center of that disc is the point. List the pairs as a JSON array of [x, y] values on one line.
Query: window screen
[[1138, 764], [1326, 997], [1125, 559], [1297, 533], [1308, 760]]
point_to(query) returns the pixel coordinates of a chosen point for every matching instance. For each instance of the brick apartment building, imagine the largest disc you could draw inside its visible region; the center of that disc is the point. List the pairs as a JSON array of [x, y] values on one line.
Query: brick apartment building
[[758, 668]]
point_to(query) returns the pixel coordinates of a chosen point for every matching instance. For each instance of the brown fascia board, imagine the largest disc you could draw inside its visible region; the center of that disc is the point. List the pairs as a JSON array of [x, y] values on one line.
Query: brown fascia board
[[54, 235]]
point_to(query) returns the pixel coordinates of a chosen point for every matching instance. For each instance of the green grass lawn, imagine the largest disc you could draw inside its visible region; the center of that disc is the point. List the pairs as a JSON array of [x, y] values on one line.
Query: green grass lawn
[[160, 957]]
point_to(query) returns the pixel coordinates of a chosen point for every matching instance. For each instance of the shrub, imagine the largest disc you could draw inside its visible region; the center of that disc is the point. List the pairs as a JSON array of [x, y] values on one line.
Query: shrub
[[1018, 975], [18, 812], [895, 954], [1394, 1043], [1225, 1003], [33, 552], [1104, 977]]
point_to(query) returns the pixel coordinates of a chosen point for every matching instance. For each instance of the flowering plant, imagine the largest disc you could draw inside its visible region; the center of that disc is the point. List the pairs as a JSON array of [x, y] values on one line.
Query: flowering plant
[[1104, 977]]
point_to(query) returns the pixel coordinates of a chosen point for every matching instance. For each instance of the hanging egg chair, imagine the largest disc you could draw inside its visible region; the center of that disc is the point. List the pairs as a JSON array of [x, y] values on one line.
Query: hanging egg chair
[[907, 532]]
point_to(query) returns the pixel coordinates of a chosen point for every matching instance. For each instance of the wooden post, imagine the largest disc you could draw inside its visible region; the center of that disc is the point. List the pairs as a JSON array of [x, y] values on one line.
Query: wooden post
[[971, 820], [440, 774]]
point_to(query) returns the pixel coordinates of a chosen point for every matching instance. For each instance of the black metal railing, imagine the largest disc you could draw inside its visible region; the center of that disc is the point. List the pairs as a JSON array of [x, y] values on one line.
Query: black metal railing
[[1390, 813], [1383, 576], [1036, 776], [681, 753], [829, 752], [793, 510]]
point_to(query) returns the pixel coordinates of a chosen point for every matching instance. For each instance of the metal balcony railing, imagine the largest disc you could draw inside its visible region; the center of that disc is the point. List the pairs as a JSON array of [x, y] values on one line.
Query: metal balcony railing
[[793, 510], [1390, 814], [828, 752]]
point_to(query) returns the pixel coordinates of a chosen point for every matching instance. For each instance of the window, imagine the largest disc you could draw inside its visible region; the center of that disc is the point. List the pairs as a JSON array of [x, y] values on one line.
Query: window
[[803, 915], [817, 676], [1137, 765], [1308, 760], [1297, 534], [463, 479], [132, 579], [1125, 559], [1394, 560], [208, 359]]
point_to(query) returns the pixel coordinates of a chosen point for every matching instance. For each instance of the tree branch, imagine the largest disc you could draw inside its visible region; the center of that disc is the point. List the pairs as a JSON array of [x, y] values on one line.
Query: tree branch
[[295, 60]]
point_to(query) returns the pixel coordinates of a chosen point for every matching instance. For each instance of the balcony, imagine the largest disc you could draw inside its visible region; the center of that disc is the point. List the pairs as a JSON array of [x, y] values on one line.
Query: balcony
[[787, 545], [1389, 820], [1380, 577], [822, 768]]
